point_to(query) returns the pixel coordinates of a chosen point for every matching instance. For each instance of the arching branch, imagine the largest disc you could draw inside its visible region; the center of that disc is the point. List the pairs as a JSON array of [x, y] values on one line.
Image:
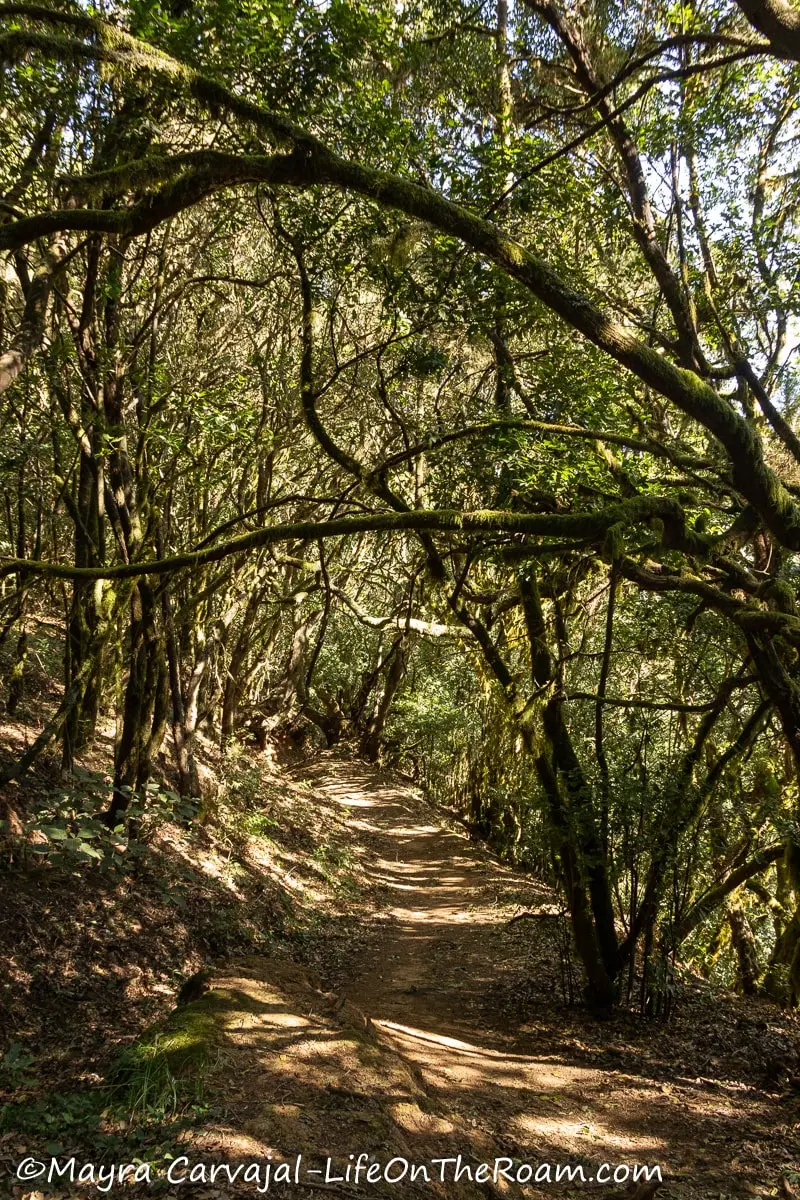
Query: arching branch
[[311, 162]]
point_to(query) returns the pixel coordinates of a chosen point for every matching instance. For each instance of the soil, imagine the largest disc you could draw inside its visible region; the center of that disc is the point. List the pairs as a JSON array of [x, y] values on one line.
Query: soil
[[476, 1007], [421, 1021]]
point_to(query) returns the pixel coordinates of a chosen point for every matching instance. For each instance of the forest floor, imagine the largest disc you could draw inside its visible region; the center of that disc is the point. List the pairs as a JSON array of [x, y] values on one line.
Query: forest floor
[[401, 1016]]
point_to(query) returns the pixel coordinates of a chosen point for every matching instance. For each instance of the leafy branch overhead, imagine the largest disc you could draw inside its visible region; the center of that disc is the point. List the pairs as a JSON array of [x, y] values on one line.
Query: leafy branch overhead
[[424, 375]]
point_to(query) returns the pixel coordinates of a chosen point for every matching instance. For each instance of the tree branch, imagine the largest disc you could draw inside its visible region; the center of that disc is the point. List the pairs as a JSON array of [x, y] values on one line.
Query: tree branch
[[714, 896], [310, 162]]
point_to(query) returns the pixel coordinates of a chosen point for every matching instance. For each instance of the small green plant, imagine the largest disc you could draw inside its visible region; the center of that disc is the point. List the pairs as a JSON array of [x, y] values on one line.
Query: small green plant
[[68, 831], [55, 1114], [16, 1062], [156, 806], [150, 1086], [258, 824], [243, 785], [242, 807], [331, 859], [164, 1072], [335, 864]]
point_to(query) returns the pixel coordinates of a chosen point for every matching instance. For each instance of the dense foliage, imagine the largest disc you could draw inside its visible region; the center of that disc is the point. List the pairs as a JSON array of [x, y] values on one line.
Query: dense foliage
[[425, 374]]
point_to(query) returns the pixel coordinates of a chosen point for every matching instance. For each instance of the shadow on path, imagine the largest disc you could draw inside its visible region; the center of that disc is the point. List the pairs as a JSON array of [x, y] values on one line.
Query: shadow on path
[[553, 1086]]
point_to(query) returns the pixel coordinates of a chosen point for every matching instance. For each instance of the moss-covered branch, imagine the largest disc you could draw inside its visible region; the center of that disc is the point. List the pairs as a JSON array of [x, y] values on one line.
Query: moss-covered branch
[[751, 618], [311, 162], [577, 525]]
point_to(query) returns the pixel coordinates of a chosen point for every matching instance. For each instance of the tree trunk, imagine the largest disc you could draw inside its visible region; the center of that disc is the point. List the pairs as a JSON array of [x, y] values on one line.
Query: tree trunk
[[84, 616], [188, 779], [744, 943], [132, 764], [371, 740]]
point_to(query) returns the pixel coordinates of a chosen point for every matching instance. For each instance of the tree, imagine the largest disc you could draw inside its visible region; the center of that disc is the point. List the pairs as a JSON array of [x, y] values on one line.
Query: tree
[[512, 381]]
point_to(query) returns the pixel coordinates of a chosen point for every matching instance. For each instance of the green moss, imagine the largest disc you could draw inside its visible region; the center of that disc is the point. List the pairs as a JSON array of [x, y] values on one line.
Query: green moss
[[614, 543], [512, 252], [781, 594]]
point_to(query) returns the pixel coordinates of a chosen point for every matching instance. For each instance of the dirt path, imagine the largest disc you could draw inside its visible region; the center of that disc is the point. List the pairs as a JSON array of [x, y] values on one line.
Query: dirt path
[[409, 1019], [540, 1081], [434, 954], [386, 1007]]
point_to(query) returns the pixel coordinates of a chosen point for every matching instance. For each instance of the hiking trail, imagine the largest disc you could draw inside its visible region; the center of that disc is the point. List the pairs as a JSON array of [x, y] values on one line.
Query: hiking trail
[[438, 1040]]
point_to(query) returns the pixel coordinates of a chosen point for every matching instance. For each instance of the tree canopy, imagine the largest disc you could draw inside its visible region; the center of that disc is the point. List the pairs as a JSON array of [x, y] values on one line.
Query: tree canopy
[[426, 373]]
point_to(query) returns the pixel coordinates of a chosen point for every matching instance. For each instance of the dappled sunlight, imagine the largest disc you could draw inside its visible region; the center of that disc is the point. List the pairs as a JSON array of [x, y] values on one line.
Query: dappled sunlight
[[410, 1055], [439, 956], [442, 915], [450, 1043], [310, 1083], [409, 1117], [406, 1048], [349, 801], [570, 1133]]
